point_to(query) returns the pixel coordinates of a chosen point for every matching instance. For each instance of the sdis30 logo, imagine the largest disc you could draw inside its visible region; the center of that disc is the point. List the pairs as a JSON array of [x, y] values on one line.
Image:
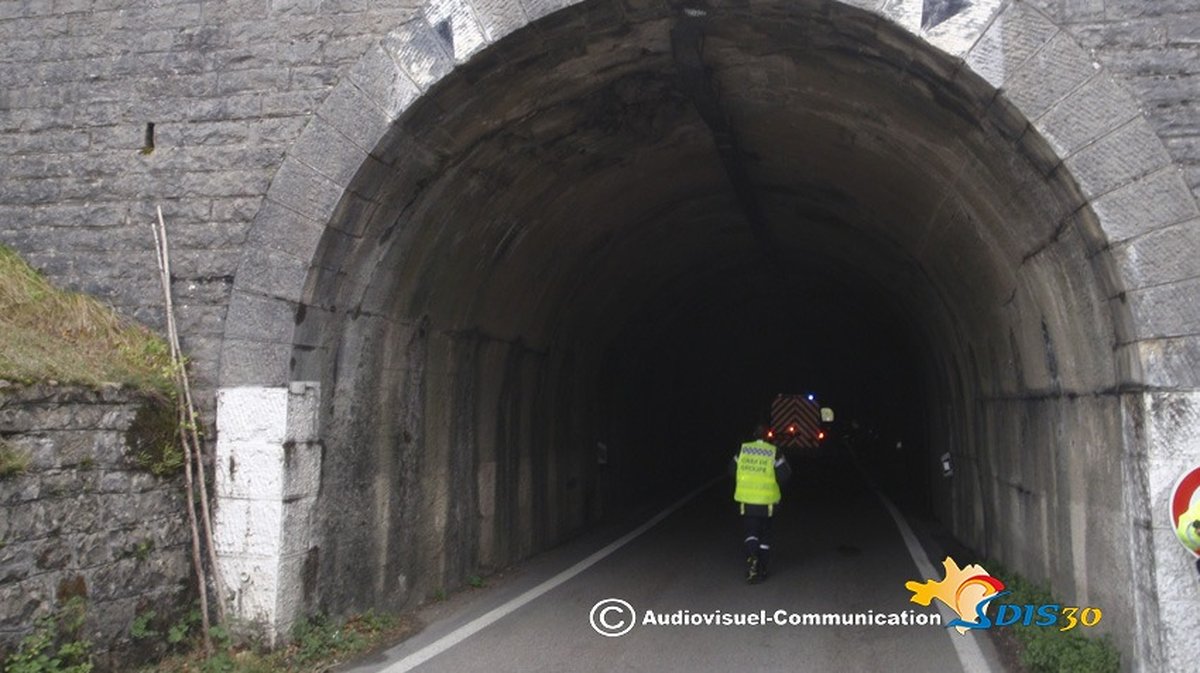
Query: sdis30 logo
[[970, 590]]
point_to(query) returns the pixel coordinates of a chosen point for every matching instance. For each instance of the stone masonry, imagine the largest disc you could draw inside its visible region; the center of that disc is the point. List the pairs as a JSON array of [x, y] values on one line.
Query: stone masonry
[[268, 132], [85, 519], [229, 86]]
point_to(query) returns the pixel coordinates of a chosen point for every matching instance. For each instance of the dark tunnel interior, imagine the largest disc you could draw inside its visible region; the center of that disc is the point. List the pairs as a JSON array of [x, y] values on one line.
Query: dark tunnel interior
[[580, 237], [700, 375]]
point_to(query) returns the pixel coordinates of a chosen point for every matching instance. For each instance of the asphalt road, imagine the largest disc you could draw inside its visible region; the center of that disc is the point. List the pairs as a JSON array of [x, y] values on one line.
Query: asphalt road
[[836, 550]]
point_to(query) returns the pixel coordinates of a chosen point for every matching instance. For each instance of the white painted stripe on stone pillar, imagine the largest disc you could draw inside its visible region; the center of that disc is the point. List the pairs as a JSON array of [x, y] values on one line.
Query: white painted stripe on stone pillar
[[252, 413], [268, 463], [251, 425]]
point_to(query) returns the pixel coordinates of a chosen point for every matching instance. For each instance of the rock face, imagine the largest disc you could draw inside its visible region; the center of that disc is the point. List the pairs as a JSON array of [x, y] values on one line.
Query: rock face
[[86, 518]]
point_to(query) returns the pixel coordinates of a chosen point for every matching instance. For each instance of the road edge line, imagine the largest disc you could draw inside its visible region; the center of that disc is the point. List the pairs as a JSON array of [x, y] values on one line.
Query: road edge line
[[969, 653], [495, 614]]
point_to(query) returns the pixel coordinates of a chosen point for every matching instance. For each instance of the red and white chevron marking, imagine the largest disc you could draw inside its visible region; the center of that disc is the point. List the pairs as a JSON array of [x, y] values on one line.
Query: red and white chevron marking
[[795, 421]]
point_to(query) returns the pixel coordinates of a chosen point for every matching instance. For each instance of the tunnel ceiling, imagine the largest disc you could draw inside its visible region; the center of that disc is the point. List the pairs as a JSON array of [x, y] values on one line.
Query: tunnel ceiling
[[563, 185]]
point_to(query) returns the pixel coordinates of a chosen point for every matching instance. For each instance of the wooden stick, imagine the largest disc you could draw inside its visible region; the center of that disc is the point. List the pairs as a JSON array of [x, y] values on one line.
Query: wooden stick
[[197, 563], [193, 426]]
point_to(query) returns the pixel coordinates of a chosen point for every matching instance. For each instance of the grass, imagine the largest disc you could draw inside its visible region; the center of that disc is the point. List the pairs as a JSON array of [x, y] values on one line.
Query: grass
[[12, 461], [316, 645], [1047, 649], [47, 334]]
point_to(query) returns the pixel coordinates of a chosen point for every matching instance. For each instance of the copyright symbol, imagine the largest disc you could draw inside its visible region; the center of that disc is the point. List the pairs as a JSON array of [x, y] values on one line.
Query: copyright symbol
[[612, 617]]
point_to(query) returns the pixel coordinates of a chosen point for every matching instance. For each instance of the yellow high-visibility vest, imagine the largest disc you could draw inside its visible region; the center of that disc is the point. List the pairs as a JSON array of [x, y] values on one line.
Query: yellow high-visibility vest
[[756, 483]]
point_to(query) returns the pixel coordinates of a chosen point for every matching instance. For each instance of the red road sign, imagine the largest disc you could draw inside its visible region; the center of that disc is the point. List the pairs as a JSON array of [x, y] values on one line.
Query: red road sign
[[1183, 498]]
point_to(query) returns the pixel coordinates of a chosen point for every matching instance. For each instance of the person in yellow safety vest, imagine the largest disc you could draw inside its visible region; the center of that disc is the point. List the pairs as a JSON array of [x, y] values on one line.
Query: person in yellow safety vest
[[760, 470]]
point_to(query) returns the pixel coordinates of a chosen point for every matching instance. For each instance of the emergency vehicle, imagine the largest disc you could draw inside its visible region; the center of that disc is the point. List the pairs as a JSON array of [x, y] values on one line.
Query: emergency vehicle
[[798, 421]]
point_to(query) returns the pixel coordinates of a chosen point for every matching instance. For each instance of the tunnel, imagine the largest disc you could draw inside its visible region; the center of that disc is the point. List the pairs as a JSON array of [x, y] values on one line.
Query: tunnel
[[571, 276]]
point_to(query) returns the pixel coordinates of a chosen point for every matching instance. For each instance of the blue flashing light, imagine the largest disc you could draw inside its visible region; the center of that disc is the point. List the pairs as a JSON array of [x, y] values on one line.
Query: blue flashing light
[[811, 397]]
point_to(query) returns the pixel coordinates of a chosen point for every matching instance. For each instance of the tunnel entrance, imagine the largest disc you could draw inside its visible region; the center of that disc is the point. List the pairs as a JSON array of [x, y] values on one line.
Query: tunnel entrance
[[565, 246], [570, 275]]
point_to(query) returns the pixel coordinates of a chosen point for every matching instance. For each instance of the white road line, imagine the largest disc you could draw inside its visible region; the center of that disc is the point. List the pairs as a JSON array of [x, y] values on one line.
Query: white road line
[[969, 654], [479, 623]]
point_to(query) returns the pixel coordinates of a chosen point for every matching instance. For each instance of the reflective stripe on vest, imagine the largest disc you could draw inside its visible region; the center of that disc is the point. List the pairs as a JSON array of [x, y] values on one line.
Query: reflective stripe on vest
[[756, 483]]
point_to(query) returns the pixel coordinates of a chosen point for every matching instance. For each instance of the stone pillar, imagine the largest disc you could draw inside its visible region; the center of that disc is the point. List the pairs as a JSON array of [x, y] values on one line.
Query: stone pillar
[[268, 474]]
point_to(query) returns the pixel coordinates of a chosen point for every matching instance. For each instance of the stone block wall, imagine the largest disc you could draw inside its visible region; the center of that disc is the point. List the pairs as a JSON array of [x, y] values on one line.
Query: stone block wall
[[1153, 49], [229, 86], [85, 519]]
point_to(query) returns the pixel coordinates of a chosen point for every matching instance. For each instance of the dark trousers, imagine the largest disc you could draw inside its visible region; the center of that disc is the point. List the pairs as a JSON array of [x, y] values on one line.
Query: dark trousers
[[758, 537]]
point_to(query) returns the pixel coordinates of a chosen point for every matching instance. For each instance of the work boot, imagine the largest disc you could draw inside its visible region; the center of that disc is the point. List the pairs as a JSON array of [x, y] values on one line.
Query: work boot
[[752, 574]]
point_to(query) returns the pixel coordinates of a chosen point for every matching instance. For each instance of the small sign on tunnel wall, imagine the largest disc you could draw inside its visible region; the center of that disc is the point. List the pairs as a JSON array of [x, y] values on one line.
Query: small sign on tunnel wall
[[1185, 511]]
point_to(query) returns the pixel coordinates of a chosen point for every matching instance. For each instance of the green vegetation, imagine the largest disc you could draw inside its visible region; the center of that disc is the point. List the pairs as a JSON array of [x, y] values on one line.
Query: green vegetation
[[1047, 649], [177, 635], [143, 548], [153, 440], [314, 639], [141, 628], [12, 461], [50, 334], [54, 646], [316, 644]]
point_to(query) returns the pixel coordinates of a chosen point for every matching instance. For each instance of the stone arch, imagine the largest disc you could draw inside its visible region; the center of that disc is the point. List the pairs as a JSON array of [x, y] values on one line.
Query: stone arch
[[1063, 109], [1100, 138]]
